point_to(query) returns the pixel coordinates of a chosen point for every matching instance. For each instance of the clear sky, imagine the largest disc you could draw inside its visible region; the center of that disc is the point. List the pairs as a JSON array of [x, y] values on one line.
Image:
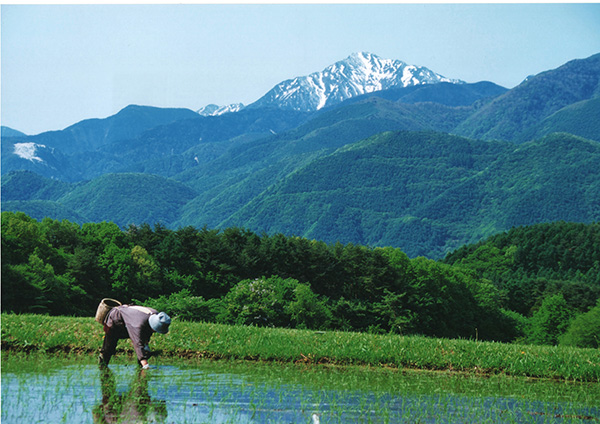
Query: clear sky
[[65, 63]]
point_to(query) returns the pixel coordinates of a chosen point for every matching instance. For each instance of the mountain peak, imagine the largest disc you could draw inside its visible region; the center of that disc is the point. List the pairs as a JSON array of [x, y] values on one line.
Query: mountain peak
[[359, 73], [216, 110]]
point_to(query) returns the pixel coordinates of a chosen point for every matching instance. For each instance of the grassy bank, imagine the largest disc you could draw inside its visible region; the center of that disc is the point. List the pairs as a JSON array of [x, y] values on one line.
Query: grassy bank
[[201, 340]]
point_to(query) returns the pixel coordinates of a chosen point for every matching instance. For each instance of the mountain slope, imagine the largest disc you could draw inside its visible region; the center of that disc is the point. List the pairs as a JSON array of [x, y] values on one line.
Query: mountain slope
[[425, 192], [9, 132], [21, 154], [92, 148], [444, 93], [231, 180], [358, 74], [70, 154], [90, 134], [513, 115], [367, 192], [26, 185], [429, 193], [40, 209], [129, 199], [581, 118]]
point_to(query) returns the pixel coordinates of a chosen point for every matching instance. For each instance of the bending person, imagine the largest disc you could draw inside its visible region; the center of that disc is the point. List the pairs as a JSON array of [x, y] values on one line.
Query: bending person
[[137, 323]]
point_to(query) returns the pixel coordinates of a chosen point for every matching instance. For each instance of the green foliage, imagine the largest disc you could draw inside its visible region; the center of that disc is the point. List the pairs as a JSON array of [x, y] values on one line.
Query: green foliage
[[307, 310], [58, 267], [531, 263], [550, 321], [183, 305], [261, 301], [584, 330], [579, 119]]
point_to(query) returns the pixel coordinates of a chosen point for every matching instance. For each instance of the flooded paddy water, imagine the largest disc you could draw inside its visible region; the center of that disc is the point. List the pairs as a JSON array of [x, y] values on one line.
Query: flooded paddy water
[[39, 390]]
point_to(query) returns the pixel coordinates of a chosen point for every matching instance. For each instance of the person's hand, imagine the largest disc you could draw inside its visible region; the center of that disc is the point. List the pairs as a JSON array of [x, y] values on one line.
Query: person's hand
[[146, 367]]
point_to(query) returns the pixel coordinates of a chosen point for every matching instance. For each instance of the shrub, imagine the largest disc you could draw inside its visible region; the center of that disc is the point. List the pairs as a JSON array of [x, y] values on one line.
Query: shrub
[[584, 330], [261, 301], [550, 321], [185, 306], [307, 310]]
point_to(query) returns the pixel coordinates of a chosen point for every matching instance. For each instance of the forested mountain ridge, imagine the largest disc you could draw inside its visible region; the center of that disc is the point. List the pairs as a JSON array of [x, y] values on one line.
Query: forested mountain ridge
[[92, 147], [428, 193], [234, 169], [121, 198], [515, 115], [444, 93], [26, 185], [425, 192], [231, 180], [170, 141]]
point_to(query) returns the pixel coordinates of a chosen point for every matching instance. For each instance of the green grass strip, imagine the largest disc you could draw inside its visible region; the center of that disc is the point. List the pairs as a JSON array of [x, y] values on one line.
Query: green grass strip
[[205, 340]]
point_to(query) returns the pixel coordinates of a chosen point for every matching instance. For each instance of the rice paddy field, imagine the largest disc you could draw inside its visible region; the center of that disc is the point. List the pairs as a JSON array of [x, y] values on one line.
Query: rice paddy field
[[218, 374]]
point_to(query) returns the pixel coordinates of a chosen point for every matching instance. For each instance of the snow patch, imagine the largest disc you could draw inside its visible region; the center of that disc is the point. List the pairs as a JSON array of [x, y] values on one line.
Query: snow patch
[[216, 110], [27, 151]]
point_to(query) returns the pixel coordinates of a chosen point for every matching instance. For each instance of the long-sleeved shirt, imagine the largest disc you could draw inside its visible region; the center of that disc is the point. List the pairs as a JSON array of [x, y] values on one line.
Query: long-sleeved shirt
[[130, 321]]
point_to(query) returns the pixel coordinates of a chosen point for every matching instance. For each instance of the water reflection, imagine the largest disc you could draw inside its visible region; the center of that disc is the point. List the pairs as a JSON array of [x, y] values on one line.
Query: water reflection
[[246, 393], [133, 406]]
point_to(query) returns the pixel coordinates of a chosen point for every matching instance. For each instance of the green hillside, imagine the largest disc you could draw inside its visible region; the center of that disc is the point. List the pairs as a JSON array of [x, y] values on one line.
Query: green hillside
[[512, 115], [227, 183], [129, 198], [532, 263], [40, 209], [429, 193], [582, 119], [25, 185], [425, 192]]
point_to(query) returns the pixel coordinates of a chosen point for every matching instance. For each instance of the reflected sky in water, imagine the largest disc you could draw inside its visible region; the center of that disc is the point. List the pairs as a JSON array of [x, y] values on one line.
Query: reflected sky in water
[[198, 394]]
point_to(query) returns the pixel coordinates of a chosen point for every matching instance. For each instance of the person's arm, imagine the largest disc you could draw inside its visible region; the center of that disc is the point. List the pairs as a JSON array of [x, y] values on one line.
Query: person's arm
[[139, 342], [139, 332]]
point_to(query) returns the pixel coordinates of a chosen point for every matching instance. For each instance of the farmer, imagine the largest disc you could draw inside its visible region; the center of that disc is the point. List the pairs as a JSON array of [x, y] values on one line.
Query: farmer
[[135, 322]]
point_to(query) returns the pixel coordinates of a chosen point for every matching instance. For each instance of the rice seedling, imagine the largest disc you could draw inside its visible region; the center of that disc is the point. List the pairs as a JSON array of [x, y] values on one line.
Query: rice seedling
[[204, 340], [74, 390]]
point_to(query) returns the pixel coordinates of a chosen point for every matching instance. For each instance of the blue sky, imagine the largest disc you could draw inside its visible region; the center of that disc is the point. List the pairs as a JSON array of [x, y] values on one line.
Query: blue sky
[[65, 63]]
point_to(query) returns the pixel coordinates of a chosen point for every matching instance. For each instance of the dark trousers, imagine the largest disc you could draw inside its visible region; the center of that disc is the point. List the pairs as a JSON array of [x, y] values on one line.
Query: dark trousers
[[112, 335]]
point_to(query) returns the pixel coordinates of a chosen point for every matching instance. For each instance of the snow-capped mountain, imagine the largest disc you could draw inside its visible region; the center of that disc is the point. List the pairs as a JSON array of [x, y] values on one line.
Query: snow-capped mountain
[[358, 74], [216, 110]]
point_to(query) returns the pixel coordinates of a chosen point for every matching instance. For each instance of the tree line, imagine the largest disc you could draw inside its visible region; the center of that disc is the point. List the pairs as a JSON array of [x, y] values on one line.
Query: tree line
[[239, 277]]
